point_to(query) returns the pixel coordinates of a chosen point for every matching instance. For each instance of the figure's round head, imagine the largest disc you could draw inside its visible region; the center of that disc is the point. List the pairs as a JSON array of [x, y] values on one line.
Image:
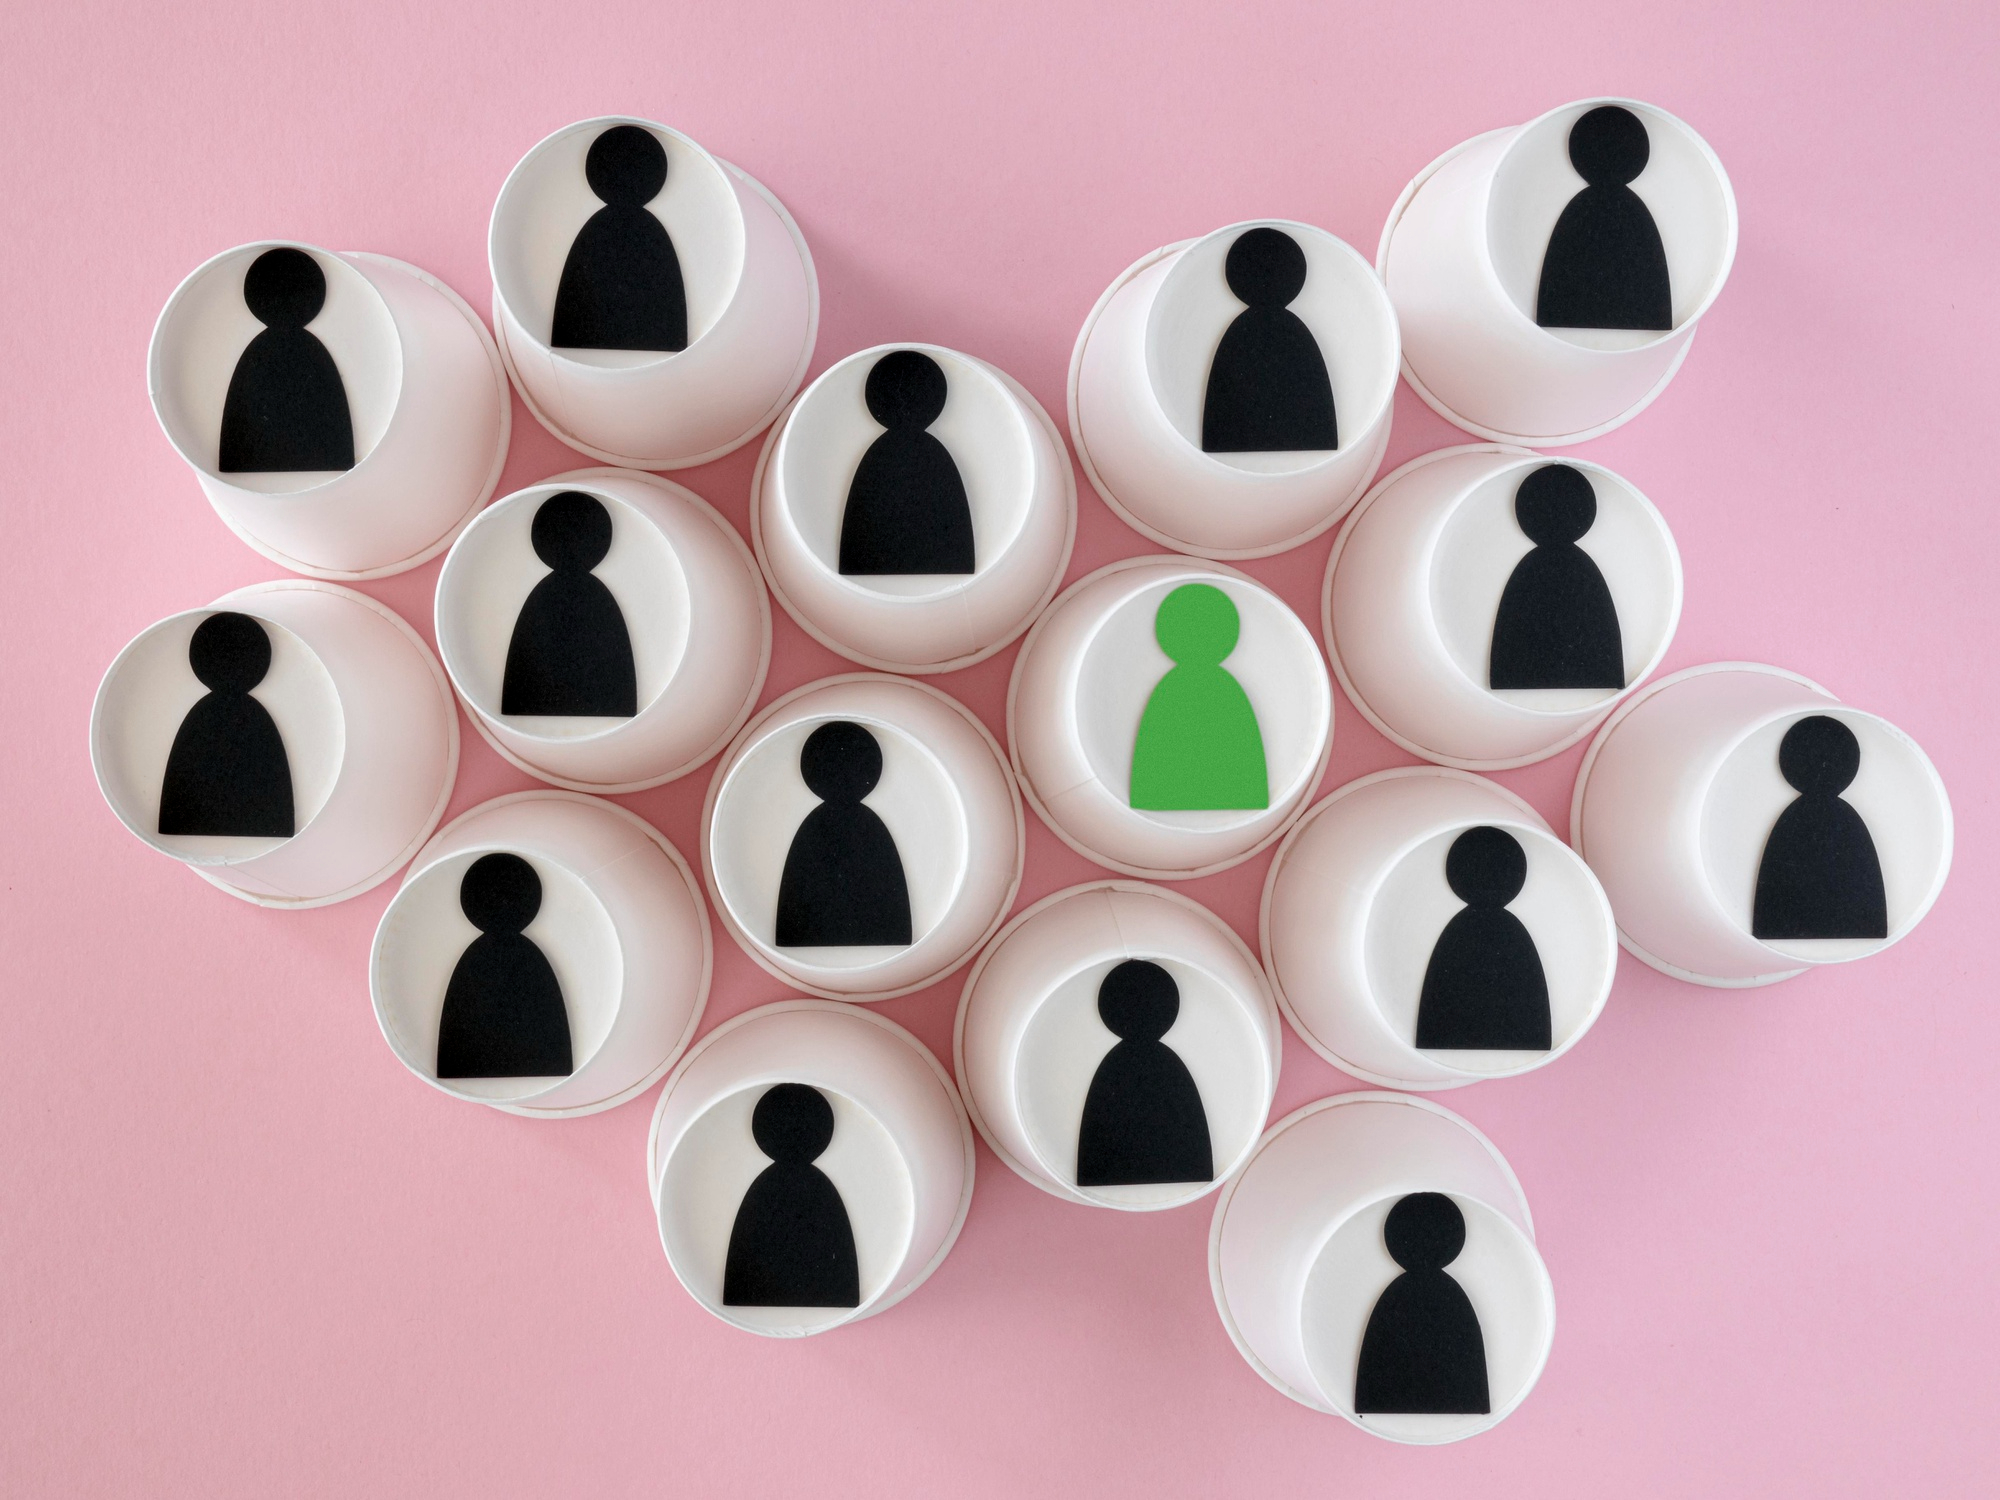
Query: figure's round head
[[906, 388], [1197, 625], [1486, 867], [840, 762], [284, 288], [1138, 1001], [571, 531], [500, 893], [1265, 267], [229, 653], [1555, 505], [1819, 756], [1424, 1232], [1608, 146], [792, 1123], [626, 165]]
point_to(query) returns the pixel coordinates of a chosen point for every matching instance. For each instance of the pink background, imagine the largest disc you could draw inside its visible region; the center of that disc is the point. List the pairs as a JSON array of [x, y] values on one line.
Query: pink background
[[242, 1252]]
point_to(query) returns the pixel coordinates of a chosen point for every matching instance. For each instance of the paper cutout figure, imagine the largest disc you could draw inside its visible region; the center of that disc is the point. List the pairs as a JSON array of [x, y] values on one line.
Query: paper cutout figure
[[227, 772], [1143, 1119], [843, 883], [286, 407], [1423, 1350], [503, 1014], [1199, 747], [1819, 876], [1484, 986], [792, 1244], [1606, 266], [621, 283], [1556, 626], [1268, 390], [570, 652], [906, 507]]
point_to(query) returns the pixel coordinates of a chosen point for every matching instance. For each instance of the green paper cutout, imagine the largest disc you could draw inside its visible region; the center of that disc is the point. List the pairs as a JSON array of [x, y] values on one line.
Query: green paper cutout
[[1199, 748]]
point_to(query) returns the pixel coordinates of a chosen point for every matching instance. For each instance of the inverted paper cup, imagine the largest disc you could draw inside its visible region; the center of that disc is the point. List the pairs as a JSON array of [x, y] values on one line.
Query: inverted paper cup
[[620, 922], [900, 1154], [1297, 1260], [1083, 682], [693, 607], [1032, 1046], [1358, 901], [369, 732], [1139, 376], [426, 398], [1019, 492], [1681, 794], [1419, 578], [1463, 251], [752, 306], [943, 794]]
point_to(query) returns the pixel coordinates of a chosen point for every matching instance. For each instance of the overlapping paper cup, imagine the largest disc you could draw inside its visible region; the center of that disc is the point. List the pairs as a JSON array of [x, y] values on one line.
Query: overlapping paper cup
[[331, 715], [1304, 1276]]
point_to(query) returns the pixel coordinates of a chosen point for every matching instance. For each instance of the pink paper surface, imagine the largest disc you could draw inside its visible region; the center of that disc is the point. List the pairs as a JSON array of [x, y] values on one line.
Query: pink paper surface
[[243, 1252]]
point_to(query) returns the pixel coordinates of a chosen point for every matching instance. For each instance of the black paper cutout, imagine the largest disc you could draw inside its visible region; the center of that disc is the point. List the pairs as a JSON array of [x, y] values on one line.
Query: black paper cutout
[[621, 284], [286, 408], [1819, 876], [1423, 1350], [906, 507], [792, 1244], [1484, 986], [570, 652], [1143, 1119], [227, 772], [1606, 266], [1268, 390], [1556, 626], [503, 1014], [843, 883]]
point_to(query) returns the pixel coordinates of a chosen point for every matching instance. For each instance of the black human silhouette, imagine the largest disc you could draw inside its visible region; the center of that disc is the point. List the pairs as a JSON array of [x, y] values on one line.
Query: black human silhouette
[[1556, 626], [792, 1244], [503, 1015], [906, 507], [227, 772], [286, 408], [1484, 986], [1268, 390], [843, 883], [1820, 876], [621, 284], [1143, 1119], [1423, 1350], [570, 652], [1605, 266]]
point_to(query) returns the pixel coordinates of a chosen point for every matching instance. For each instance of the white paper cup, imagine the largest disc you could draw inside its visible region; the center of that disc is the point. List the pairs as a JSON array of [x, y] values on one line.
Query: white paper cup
[[944, 795], [1031, 1042], [752, 306], [1357, 901], [901, 1154], [1140, 371], [367, 723], [1019, 490], [1297, 1262], [1462, 254], [620, 922], [693, 606], [1082, 684], [1415, 587], [1681, 791], [426, 397]]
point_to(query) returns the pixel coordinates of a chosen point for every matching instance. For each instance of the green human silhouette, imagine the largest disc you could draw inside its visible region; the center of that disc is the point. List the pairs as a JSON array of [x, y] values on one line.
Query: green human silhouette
[[1199, 748]]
